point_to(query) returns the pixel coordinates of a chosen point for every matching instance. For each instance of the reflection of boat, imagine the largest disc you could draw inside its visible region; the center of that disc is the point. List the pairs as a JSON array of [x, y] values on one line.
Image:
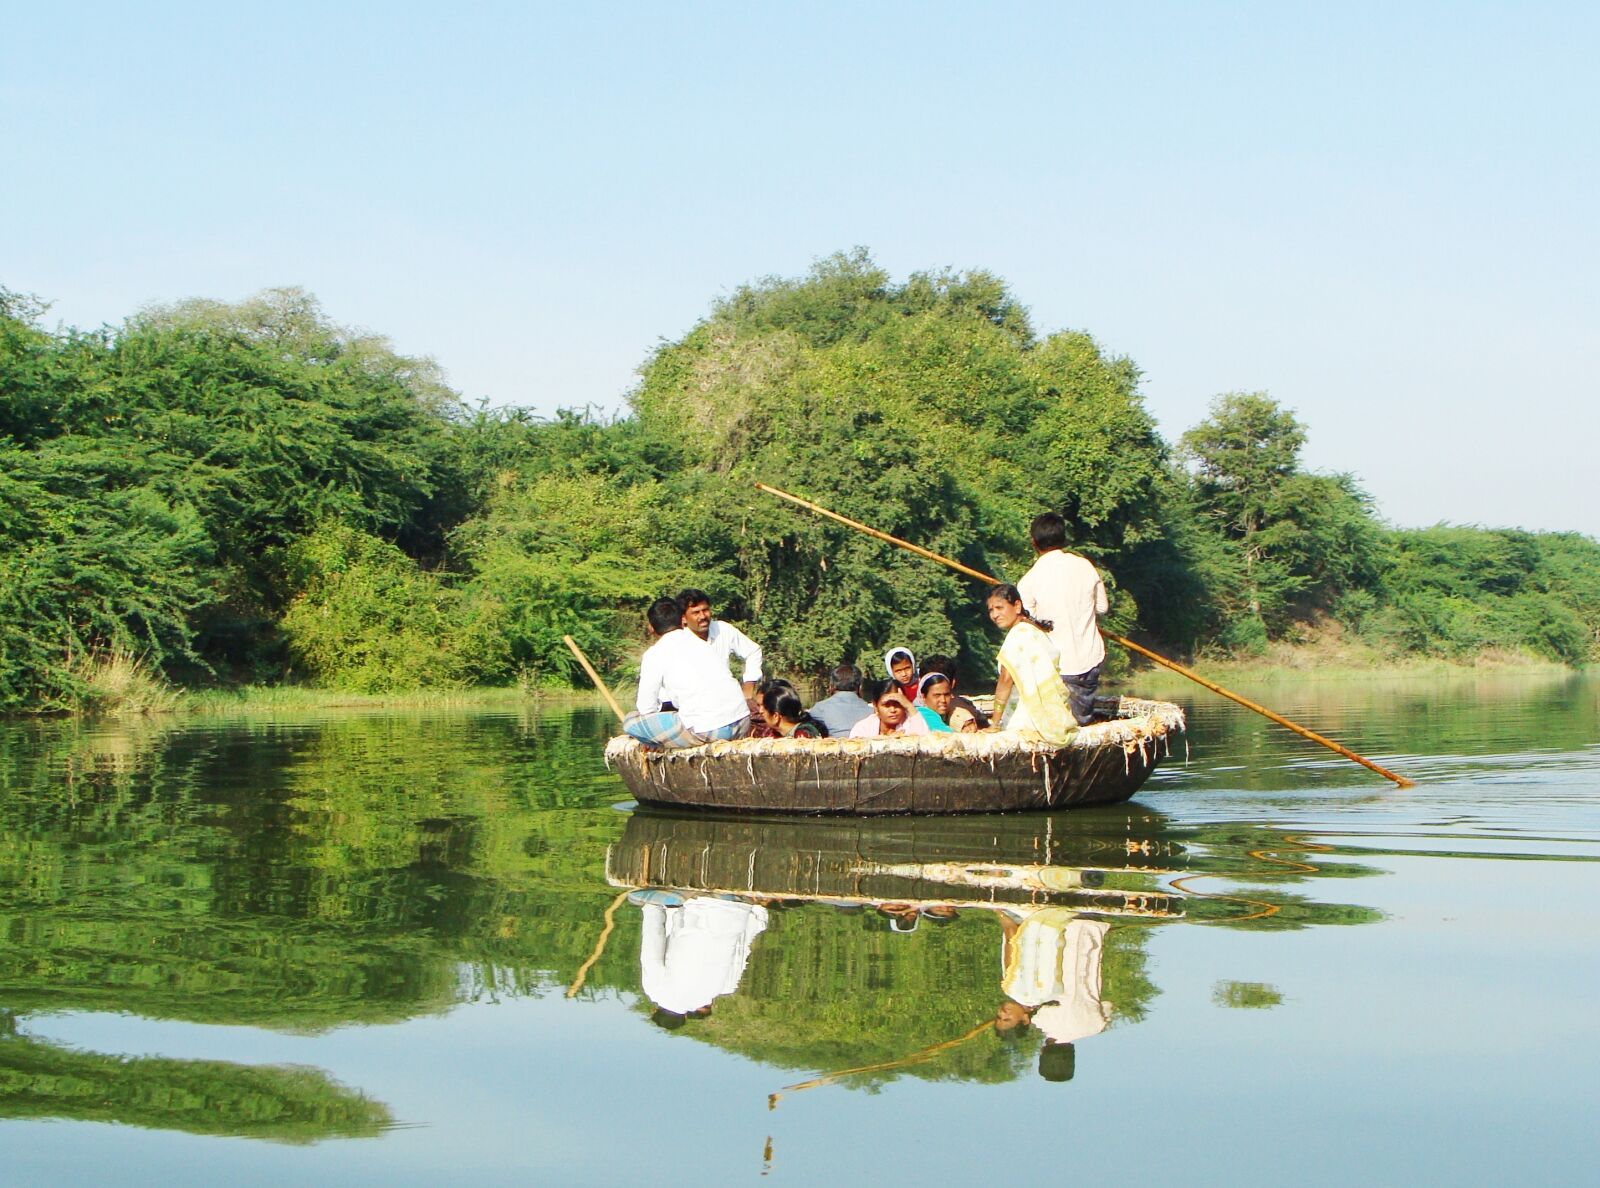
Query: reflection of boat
[[994, 862], [939, 773]]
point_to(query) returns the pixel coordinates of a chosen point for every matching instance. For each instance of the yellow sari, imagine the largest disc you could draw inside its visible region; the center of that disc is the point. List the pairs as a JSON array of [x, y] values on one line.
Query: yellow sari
[[1029, 658]]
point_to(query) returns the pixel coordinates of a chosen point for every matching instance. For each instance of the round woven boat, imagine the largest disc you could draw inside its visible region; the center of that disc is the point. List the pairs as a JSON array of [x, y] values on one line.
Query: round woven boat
[[931, 773]]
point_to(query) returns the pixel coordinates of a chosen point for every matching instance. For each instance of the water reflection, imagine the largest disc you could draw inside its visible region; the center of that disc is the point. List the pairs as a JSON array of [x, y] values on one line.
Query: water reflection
[[693, 950], [308, 876], [39, 1079], [1002, 942]]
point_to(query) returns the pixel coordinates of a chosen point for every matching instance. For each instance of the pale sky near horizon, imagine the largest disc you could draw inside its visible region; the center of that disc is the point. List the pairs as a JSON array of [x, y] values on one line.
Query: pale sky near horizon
[[1384, 215]]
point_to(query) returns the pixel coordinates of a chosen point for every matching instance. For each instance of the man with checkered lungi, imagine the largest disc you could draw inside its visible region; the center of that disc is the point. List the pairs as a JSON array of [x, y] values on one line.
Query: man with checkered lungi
[[685, 670]]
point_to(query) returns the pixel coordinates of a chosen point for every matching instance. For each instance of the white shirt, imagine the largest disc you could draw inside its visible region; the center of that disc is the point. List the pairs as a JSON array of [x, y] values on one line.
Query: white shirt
[[1065, 590], [690, 955], [727, 640], [684, 669]]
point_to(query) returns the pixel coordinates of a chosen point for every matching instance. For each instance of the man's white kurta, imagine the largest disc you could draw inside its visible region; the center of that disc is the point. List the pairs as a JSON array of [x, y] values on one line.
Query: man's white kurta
[[727, 641], [684, 669], [1065, 590], [692, 954]]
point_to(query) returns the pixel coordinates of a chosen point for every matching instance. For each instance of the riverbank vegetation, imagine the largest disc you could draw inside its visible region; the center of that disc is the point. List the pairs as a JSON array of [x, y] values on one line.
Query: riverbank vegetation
[[212, 495]]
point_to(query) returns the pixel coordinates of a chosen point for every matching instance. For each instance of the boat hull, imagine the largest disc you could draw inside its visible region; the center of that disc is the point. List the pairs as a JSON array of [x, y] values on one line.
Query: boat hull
[[934, 774]]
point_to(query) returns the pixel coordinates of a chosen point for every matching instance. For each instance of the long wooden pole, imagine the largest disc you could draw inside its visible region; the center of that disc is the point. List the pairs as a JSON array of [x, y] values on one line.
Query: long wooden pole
[[594, 676], [610, 922], [1302, 731]]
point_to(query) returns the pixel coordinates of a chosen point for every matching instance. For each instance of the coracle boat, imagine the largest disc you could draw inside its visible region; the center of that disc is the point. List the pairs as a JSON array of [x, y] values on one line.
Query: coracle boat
[[1104, 763]]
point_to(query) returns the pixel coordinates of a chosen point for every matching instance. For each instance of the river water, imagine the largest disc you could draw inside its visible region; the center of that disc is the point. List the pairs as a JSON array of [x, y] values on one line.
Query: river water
[[418, 948]]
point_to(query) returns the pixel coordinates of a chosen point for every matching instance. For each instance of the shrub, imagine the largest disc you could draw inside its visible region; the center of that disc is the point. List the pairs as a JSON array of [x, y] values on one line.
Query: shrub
[[367, 620]]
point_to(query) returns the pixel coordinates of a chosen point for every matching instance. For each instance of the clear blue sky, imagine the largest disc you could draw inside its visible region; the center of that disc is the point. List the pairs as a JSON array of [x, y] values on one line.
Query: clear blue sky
[[1383, 214]]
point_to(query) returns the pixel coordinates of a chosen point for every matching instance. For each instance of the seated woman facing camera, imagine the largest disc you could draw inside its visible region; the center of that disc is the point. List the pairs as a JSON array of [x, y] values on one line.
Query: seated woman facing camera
[[892, 713], [786, 717], [936, 702]]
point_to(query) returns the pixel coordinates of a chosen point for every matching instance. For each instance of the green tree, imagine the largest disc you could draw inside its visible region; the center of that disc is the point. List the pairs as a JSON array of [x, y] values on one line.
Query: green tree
[[1301, 539], [928, 409], [366, 619]]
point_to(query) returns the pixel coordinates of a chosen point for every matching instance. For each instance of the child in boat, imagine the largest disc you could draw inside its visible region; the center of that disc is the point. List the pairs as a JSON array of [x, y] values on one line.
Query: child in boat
[[900, 666], [892, 713], [1028, 664], [786, 717]]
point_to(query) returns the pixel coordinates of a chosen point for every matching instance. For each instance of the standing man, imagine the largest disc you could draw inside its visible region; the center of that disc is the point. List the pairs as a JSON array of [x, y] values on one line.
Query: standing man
[[1065, 590], [725, 639], [682, 668], [845, 707]]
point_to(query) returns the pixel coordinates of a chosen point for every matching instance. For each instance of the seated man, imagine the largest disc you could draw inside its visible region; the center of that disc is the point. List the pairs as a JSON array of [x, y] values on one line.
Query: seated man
[[844, 708], [682, 668], [725, 639]]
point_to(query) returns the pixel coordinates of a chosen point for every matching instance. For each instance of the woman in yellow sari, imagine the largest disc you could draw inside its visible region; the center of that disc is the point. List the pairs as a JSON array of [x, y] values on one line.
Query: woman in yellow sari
[[1028, 664]]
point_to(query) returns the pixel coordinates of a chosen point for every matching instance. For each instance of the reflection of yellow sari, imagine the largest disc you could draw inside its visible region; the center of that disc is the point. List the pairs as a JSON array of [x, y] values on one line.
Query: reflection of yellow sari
[[1029, 658]]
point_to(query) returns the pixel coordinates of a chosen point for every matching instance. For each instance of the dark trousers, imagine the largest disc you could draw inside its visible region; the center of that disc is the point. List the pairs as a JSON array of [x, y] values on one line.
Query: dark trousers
[[1080, 693]]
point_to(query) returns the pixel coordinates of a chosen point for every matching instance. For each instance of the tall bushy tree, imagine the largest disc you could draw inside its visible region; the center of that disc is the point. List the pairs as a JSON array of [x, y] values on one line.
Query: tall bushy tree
[[1293, 540], [927, 409]]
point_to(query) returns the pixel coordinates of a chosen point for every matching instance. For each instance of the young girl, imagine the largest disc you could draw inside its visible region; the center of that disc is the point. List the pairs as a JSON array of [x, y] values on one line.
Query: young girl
[[900, 666], [892, 714], [1028, 663], [786, 717]]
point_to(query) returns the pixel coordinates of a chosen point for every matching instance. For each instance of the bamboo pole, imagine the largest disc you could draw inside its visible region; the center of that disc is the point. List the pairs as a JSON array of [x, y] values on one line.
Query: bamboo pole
[[594, 676], [920, 1056], [610, 922], [1302, 731]]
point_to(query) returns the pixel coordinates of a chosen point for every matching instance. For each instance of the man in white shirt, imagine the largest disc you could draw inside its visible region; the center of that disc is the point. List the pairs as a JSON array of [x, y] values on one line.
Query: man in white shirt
[[683, 669], [725, 639], [1065, 590]]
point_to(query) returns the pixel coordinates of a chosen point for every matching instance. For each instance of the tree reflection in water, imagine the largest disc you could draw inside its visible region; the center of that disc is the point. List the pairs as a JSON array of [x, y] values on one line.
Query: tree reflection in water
[[945, 948], [306, 875]]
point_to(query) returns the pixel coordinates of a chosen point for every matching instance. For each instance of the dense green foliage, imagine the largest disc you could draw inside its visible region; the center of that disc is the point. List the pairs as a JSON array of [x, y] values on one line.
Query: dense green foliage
[[249, 492]]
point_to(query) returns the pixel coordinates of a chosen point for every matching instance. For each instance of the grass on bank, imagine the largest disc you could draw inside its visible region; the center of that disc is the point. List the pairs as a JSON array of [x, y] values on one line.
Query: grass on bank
[[289, 698], [1332, 655], [118, 682], [123, 686]]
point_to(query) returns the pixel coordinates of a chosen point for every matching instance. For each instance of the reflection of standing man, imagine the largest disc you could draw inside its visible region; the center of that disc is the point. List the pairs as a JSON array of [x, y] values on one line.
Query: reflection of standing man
[[695, 951], [725, 639], [1050, 975]]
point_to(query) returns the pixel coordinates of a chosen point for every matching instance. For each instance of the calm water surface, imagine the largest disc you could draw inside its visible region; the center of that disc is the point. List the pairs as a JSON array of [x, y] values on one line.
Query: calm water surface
[[425, 948]]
